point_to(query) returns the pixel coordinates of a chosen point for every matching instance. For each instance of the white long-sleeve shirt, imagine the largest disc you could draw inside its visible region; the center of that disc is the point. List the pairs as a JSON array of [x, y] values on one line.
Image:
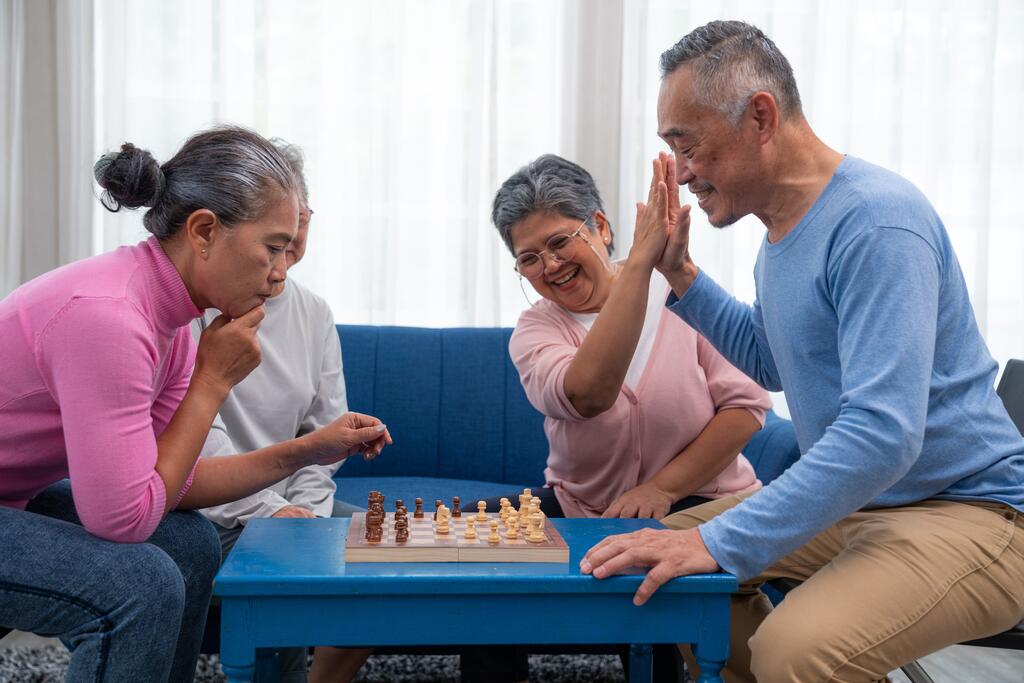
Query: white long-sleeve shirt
[[297, 388]]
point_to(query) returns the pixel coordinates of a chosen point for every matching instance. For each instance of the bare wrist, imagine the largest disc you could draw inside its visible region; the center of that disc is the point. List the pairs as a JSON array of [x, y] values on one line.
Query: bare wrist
[[680, 279]]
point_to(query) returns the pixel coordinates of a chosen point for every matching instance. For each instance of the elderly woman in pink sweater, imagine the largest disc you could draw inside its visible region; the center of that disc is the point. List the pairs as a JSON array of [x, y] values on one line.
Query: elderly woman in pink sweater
[[643, 416], [101, 383]]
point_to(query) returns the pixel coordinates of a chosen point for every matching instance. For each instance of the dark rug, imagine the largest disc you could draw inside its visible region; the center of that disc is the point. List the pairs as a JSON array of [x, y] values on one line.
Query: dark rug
[[47, 665]]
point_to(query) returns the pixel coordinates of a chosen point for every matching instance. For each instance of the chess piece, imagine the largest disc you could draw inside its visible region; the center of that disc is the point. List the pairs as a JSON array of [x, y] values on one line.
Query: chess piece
[[535, 535], [503, 511], [437, 506], [493, 538], [418, 512], [402, 530], [481, 514], [470, 529], [456, 512], [442, 520], [399, 504], [513, 530]]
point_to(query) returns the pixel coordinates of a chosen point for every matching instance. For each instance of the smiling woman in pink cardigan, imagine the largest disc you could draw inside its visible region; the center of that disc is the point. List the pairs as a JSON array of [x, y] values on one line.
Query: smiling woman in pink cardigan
[[643, 415]]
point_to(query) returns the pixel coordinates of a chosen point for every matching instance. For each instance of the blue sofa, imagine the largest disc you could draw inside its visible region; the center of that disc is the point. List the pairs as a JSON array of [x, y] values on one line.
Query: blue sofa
[[460, 419]]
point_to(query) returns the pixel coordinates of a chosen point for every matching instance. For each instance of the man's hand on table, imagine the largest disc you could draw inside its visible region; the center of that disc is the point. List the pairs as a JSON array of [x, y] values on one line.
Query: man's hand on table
[[668, 553], [294, 511]]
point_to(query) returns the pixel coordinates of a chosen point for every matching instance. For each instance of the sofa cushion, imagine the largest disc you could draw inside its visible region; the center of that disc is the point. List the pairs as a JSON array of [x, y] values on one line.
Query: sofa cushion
[[451, 399]]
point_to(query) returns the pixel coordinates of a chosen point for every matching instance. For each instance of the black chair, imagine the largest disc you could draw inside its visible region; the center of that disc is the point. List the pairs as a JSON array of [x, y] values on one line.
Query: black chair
[[1011, 391]]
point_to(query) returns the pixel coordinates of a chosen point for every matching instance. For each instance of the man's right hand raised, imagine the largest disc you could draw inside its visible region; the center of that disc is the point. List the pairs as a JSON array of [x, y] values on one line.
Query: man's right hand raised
[[675, 263]]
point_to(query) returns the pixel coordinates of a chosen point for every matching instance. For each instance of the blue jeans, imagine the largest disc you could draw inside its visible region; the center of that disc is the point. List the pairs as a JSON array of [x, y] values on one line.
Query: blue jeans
[[126, 611]]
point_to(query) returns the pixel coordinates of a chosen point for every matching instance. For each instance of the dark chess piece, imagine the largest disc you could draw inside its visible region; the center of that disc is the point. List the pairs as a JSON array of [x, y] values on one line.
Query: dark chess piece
[[456, 512], [418, 513]]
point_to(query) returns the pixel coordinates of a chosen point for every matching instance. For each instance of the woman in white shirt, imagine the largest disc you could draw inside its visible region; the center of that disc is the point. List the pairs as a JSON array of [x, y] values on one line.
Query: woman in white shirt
[[297, 388]]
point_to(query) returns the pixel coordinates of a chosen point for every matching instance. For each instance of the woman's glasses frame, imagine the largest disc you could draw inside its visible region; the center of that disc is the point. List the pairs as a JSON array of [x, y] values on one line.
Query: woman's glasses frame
[[531, 270]]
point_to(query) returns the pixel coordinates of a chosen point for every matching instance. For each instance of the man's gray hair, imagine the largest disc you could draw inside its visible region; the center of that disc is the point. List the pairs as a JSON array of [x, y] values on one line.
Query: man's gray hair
[[296, 160], [548, 183], [732, 60]]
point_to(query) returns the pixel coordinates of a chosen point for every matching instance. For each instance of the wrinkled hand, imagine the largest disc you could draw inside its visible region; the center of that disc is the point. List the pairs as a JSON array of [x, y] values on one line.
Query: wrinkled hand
[[676, 254], [652, 220], [294, 512], [350, 433], [229, 350], [645, 501], [668, 553]]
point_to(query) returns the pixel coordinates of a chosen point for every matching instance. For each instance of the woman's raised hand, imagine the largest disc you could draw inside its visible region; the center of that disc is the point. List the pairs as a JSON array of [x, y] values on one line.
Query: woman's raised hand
[[351, 433], [653, 219], [228, 350]]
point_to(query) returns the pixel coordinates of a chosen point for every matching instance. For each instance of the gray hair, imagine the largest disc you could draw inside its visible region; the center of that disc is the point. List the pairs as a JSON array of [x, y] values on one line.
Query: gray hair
[[548, 183], [235, 173], [296, 160], [732, 60]]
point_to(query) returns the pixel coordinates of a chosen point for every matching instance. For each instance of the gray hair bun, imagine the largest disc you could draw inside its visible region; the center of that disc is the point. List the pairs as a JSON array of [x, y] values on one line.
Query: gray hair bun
[[130, 178]]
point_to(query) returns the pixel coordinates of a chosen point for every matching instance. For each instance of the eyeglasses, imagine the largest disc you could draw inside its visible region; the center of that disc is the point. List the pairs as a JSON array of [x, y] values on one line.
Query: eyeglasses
[[560, 247]]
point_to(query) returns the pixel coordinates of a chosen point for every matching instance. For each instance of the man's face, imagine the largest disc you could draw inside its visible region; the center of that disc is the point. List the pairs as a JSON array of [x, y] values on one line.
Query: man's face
[[717, 161]]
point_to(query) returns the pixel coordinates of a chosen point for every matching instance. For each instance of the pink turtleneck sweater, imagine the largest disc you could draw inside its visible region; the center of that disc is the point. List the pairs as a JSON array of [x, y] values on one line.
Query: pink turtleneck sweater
[[94, 359]]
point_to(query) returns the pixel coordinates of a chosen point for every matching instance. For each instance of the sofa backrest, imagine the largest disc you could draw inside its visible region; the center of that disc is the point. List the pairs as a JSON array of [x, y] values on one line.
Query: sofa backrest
[[450, 397], [452, 400]]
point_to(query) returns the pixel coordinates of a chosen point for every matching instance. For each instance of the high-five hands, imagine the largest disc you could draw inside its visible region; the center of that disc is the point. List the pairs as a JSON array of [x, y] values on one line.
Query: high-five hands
[[652, 221], [676, 255], [661, 236], [667, 552]]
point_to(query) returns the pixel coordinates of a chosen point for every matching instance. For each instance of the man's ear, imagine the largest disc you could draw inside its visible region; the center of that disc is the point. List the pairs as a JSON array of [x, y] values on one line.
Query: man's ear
[[201, 230], [764, 114]]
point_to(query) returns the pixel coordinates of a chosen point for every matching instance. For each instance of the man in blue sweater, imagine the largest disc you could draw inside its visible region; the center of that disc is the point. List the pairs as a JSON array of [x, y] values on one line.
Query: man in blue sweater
[[902, 515]]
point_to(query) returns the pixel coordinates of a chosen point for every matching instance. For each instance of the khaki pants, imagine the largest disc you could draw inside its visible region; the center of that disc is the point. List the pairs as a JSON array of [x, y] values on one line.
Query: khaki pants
[[880, 588]]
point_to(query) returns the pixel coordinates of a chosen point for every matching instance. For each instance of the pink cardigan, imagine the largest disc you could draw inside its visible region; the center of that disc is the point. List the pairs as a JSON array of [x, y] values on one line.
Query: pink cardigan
[[95, 358], [591, 462]]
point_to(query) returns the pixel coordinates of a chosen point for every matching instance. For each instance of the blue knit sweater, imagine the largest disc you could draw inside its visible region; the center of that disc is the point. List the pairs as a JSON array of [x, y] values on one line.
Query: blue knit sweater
[[862, 318]]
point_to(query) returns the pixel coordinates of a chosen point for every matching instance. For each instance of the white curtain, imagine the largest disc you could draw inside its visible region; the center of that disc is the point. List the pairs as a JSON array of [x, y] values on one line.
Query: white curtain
[[931, 89], [412, 113], [12, 56]]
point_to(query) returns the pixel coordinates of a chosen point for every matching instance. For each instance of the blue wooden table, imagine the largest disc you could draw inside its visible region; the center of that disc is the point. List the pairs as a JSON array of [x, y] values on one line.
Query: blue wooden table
[[286, 584]]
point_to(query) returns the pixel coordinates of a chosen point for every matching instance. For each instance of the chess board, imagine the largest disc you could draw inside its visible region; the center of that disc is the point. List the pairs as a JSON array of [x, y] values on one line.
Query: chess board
[[426, 545]]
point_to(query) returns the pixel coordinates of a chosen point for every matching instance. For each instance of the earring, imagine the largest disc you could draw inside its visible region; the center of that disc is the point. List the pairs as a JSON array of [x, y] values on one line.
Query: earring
[[203, 251]]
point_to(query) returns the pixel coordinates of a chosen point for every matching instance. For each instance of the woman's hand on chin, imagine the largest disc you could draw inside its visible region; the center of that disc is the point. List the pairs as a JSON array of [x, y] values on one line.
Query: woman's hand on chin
[[228, 350]]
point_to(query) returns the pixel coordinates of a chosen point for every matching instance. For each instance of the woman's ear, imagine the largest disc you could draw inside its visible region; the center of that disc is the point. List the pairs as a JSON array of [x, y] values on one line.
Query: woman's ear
[[604, 229], [201, 229]]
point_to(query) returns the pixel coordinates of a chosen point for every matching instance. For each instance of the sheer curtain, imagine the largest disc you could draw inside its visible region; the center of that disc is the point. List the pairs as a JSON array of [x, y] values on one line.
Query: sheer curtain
[[12, 56], [933, 90], [410, 114]]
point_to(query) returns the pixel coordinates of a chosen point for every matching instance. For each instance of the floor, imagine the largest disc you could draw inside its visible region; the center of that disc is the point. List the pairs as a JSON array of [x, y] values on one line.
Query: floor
[[956, 664]]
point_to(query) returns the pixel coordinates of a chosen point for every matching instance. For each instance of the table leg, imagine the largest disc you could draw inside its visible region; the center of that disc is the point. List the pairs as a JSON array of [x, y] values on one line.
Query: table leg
[[237, 653], [641, 663], [710, 670], [712, 650]]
